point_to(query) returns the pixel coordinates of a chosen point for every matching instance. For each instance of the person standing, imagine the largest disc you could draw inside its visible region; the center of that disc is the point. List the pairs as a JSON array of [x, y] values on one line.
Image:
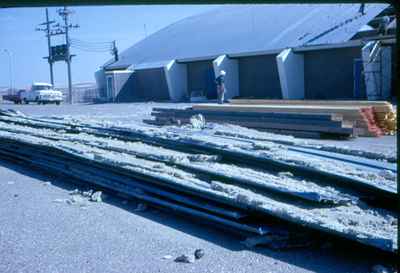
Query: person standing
[[220, 81]]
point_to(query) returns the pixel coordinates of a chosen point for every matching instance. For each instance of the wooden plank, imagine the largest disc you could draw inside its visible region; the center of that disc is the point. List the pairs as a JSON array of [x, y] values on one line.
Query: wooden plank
[[305, 122], [190, 111], [265, 125], [311, 102], [281, 108]]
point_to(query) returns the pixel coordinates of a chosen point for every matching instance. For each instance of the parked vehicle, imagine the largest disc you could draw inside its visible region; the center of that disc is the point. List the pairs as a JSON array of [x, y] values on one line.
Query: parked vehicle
[[16, 98], [42, 93]]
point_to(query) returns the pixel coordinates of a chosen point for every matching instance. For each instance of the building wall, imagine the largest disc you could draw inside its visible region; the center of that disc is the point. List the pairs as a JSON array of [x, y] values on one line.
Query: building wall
[[329, 73], [100, 77], [201, 78], [125, 87], [176, 75], [259, 77], [151, 84], [291, 74]]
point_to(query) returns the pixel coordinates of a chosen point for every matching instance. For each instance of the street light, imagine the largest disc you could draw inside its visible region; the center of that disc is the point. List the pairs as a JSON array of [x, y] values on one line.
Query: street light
[[10, 67]]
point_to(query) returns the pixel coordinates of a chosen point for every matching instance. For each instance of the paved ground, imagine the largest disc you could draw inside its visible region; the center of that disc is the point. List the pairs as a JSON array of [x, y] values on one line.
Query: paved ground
[[39, 235]]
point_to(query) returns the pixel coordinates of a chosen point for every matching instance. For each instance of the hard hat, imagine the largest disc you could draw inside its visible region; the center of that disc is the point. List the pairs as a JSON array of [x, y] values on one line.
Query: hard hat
[[223, 73]]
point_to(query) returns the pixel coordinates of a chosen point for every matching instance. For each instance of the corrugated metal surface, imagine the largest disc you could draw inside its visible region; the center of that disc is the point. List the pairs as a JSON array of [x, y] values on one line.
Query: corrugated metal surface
[[259, 78], [245, 28]]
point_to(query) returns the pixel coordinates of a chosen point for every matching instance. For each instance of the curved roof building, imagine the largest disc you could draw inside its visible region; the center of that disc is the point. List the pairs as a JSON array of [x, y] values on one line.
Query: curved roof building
[[245, 28], [268, 51]]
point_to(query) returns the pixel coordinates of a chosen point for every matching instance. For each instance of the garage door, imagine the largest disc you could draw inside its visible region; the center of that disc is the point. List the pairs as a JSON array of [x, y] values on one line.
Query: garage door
[[259, 78], [201, 79], [150, 84]]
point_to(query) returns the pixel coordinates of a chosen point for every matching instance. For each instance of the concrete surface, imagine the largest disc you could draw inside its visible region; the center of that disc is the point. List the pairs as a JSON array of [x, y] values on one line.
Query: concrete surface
[[39, 235]]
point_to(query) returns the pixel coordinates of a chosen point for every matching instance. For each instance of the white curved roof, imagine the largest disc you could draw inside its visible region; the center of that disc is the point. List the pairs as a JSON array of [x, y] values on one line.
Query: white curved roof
[[41, 84], [245, 28]]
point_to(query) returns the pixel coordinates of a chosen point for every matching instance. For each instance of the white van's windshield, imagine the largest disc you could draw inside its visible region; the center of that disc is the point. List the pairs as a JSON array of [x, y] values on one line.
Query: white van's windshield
[[41, 87]]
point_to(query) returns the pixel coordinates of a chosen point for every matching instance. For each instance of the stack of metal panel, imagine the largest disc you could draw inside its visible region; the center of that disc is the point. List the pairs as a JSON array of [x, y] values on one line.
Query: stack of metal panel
[[247, 187]]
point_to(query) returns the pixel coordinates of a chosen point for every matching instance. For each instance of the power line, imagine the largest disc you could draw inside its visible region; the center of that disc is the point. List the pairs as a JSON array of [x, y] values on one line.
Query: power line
[[87, 42], [47, 30], [97, 47]]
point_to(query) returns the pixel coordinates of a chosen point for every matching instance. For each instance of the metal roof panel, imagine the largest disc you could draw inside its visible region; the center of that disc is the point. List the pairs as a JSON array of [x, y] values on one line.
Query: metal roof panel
[[234, 29]]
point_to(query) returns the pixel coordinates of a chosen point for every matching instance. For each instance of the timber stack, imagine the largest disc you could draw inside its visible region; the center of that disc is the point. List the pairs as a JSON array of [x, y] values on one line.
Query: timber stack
[[301, 125], [383, 115], [301, 118]]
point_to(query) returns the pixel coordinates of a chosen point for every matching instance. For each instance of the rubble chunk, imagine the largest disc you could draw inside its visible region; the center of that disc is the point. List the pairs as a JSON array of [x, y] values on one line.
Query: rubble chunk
[[199, 253], [185, 259], [167, 257], [96, 197]]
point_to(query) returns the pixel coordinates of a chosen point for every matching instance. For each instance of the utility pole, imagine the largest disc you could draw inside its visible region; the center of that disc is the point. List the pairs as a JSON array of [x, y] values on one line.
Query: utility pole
[[47, 31], [64, 13], [114, 51], [10, 69]]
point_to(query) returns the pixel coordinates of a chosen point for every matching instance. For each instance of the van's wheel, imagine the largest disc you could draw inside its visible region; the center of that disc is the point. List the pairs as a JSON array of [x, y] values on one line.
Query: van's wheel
[[26, 101], [58, 103]]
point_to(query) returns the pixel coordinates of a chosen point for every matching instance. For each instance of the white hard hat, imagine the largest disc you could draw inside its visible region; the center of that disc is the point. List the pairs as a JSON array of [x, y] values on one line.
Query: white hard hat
[[223, 73]]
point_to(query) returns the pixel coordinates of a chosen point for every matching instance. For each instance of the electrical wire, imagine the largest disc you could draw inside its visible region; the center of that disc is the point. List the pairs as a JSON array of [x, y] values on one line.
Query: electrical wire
[[91, 46]]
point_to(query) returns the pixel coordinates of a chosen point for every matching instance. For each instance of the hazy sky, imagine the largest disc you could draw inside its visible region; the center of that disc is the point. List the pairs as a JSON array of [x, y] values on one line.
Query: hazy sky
[[125, 24]]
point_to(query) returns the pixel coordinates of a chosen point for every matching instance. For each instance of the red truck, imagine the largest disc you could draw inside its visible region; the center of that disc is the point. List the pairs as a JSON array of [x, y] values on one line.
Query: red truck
[[16, 98]]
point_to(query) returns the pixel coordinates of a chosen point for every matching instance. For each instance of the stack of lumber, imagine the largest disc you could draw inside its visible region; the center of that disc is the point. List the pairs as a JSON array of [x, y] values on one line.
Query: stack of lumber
[[301, 125], [383, 117]]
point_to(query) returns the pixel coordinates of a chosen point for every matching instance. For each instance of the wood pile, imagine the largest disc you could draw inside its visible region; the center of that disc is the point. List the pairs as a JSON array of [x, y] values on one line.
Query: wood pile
[[301, 125], [384, 117]]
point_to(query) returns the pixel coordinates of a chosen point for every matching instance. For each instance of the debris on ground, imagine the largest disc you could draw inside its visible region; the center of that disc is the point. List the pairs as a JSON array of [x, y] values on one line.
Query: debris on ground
[[96, 197], [47, 183], [199, 253], [185, 259], [81, 198], [77, 200], [198, 121], [280, 241], [59, 200], [167, 257], [88, 193], [74, 192]]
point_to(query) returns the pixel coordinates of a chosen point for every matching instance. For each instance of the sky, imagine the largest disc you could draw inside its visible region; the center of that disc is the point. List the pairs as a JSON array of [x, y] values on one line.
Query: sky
[[97, 24]]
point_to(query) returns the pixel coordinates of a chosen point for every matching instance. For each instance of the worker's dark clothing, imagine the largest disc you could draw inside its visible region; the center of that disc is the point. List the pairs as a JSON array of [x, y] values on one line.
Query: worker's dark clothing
[[220, 81]]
